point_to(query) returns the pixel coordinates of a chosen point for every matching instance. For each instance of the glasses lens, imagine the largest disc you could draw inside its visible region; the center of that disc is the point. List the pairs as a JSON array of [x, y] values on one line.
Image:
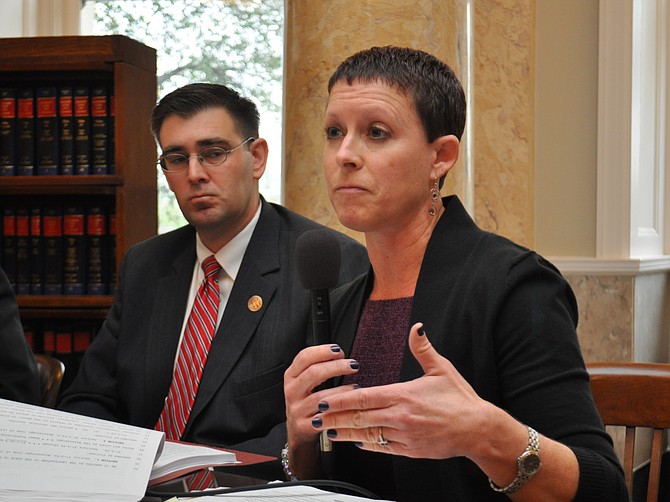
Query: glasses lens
[[213, 156], [174, 161]]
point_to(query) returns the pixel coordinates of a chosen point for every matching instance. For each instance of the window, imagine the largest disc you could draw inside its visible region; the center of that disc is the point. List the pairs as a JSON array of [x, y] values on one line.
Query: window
[[233, 42]]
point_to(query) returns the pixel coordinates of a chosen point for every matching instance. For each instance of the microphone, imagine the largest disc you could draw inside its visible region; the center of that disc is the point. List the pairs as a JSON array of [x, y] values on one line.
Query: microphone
[[318, 258]]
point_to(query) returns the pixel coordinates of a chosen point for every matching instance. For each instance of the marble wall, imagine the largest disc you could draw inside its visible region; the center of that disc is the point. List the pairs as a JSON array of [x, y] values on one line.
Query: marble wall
[[605, 326], [623, 317], [503, 115]]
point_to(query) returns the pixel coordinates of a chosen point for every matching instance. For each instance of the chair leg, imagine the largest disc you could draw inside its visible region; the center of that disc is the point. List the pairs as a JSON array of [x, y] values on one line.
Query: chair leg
[[655, 466], [628, 456]]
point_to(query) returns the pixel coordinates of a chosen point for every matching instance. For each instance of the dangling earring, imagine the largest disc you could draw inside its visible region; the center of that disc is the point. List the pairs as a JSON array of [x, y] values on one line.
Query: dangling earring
[[434, 195]]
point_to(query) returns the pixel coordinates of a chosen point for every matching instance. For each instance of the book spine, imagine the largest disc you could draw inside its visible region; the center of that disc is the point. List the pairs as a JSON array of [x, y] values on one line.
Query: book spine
[[97, 262], [52, 231], [22, 251], [36, 253], [112, 251], [47, 132], [26, 132], [7, 132], [111, 154], [73, 250], [64, 352], [82, 131], [66, 128], [9, 244], [82, 334], [29, 333], [49, 339], [99, 131]]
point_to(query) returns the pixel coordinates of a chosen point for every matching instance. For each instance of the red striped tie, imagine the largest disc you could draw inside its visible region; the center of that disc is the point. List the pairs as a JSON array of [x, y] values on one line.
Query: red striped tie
[[198, 336]]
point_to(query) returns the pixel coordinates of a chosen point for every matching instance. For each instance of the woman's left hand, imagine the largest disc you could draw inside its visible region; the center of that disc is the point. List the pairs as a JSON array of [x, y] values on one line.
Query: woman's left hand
[[434, 416]]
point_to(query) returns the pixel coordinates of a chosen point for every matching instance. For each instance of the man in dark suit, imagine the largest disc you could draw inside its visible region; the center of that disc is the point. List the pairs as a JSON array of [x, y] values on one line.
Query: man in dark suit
[[19, 380], [212, 159]]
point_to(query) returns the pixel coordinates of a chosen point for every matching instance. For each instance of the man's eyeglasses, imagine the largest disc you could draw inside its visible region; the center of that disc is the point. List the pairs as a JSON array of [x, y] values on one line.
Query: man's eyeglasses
[[210, 156]]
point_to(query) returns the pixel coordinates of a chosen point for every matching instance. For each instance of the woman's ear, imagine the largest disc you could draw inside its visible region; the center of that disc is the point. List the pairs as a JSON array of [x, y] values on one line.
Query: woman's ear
[[446, 155]]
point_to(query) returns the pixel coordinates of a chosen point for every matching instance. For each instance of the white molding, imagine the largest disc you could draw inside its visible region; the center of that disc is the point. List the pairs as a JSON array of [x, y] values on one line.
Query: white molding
[[647, 128], [595, 266], [632, 129], [614, 129]]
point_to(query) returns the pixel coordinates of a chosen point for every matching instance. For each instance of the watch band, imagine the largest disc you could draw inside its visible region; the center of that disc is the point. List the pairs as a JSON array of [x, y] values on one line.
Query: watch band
[[531, 456]]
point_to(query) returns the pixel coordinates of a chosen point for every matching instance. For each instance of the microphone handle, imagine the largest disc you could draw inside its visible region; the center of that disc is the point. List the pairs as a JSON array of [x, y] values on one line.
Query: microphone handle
[[320, 316], [321, 323], [321, 335]]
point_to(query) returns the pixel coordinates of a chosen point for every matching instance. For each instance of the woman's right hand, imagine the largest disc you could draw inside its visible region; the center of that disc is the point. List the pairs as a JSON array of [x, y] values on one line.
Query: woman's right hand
[[310, 369]]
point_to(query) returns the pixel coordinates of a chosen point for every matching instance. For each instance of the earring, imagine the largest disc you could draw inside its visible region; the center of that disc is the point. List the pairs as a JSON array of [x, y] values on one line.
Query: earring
[[434, 195]]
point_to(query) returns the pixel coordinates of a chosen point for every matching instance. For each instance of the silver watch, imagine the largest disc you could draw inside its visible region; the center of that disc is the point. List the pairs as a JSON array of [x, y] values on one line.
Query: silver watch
[[528, 463]]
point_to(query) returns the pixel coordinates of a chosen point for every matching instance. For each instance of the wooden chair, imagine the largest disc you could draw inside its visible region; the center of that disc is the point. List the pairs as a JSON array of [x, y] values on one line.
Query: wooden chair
[[635, 395], [51, 371]]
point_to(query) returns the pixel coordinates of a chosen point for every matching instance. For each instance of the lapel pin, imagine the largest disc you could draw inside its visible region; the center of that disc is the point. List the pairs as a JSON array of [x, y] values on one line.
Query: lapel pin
[[255, 303]]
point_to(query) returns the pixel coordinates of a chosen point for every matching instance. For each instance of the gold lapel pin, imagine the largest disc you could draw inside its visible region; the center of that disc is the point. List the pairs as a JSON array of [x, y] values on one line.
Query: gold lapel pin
[[255, 303]]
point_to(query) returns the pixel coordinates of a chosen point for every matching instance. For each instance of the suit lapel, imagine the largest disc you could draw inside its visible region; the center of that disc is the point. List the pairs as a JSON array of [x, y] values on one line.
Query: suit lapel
[[167, 318], [258, 275]]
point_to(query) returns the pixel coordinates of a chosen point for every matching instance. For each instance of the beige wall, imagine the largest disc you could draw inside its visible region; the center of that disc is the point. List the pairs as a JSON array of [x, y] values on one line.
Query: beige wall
[[566, 127]]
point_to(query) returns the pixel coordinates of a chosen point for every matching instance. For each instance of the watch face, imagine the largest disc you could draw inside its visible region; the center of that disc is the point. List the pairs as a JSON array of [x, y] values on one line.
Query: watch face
[[530, 462]]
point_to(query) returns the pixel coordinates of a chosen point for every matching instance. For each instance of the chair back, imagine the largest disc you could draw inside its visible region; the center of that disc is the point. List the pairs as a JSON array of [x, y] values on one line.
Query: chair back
[[51, 371], [635, 395]]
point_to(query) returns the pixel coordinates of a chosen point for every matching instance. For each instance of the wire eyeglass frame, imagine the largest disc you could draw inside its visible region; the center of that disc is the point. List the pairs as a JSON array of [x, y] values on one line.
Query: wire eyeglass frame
[[210, 156]]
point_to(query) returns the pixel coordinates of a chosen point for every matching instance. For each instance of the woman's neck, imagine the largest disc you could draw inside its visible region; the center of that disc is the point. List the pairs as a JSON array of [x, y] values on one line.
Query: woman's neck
[[396, 259]]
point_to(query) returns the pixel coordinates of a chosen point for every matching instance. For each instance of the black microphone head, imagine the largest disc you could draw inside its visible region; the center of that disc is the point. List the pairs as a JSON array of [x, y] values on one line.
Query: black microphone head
[[318, 257]]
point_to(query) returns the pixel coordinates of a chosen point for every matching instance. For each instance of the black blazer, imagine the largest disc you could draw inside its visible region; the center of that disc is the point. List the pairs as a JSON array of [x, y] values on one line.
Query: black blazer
[[126, 373], [18, 372], [506, 319]]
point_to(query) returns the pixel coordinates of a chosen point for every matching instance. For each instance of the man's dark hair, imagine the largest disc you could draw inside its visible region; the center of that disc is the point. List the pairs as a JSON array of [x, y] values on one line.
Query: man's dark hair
[[191, 99], [437, 94]]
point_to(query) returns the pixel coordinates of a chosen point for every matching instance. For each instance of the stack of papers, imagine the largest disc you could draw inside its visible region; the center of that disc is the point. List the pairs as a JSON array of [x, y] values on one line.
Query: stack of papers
[[47, 454]]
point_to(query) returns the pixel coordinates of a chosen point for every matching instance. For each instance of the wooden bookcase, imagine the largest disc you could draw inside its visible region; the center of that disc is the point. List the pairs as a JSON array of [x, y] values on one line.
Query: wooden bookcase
[[129, 68]]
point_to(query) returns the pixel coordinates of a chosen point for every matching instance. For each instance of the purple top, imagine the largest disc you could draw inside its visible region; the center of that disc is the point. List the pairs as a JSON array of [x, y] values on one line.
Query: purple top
[[380, 341]]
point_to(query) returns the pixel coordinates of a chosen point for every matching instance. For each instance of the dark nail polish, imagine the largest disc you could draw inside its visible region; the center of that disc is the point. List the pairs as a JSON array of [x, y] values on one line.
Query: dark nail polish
[[356, 386], [422, 331], [358, 444], [332, 433], [323, 406], [316, 423], [354, 365], [335, 348]]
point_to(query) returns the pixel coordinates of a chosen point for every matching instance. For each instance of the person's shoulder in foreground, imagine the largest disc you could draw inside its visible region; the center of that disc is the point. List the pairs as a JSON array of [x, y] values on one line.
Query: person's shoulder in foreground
[[19, 380]]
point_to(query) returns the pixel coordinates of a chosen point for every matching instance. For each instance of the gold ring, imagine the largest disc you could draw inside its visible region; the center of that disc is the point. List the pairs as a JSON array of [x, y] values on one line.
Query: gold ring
[[381, 440]]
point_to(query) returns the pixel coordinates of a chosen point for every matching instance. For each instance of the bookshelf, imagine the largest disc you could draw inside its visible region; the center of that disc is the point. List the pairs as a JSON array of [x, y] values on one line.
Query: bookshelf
[[127, 69]]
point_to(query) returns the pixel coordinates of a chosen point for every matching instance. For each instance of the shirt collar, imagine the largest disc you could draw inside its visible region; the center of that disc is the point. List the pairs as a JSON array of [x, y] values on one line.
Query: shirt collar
[[230, 256]]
